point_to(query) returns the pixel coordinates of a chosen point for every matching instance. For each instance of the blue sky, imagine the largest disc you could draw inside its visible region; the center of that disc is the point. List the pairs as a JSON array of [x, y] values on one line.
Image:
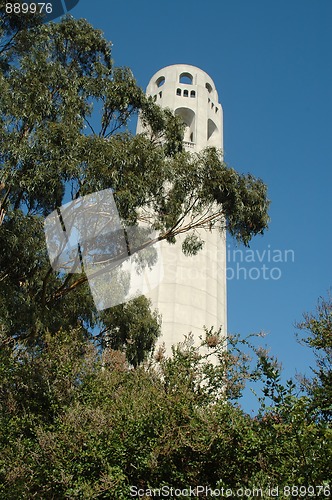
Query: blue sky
[[272, 66]]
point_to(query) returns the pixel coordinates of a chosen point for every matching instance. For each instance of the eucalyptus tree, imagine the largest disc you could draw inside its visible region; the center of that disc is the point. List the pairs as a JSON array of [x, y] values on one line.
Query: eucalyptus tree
[[65, 118]]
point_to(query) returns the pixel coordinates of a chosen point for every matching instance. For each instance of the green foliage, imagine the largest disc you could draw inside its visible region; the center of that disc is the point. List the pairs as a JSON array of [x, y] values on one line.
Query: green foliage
[[55, 78], [192, 244], [78, 424], [318, 328], [131, 328]]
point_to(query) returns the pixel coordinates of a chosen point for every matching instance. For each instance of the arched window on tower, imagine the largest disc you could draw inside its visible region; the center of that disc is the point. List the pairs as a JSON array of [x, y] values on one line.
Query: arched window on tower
[[185, 93], [178, 91], [212, 130], [208, 87], [188, 117], [192, 93], [160, 81], [186, 78]]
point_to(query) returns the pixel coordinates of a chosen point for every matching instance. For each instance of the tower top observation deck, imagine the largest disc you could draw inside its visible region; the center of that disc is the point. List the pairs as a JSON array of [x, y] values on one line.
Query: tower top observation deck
[[191, 93]]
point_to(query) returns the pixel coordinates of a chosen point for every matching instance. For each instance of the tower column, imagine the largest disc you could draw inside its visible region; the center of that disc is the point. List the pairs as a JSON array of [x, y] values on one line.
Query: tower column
[[192, 293]]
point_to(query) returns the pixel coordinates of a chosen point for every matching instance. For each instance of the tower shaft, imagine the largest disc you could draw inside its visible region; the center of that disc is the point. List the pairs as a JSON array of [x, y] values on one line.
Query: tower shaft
[[192, 294]]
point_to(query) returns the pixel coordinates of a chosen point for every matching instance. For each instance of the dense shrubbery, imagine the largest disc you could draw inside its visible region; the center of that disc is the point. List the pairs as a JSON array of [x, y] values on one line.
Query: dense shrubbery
[[76, 423]]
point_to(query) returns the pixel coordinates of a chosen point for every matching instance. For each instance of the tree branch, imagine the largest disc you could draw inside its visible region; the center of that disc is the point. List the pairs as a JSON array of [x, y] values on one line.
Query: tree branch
[[109, 263]]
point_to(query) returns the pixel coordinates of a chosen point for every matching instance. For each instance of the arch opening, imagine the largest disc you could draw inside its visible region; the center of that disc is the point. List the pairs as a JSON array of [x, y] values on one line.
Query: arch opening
[[160, 81], [208, 87], [188, 117], [186, 78], [212, 130]]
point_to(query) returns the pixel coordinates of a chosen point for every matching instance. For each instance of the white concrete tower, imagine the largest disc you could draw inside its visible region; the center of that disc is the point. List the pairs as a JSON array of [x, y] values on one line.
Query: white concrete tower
[[192, 293]]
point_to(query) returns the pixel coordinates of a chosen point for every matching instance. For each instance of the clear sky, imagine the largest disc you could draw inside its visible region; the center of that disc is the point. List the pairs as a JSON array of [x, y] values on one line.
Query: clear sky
[[272, 66]]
